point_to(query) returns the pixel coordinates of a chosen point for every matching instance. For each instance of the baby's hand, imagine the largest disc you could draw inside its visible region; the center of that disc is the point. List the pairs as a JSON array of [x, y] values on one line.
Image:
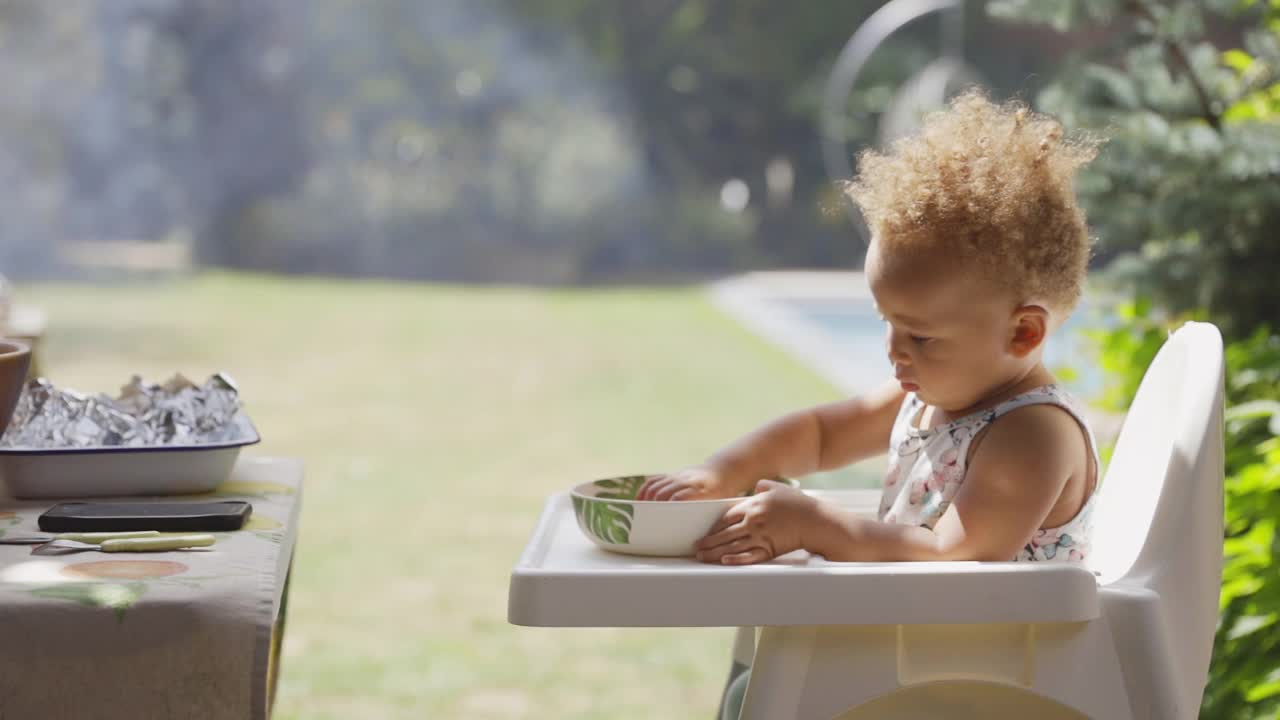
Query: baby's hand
[[759, 528], [695, 483]]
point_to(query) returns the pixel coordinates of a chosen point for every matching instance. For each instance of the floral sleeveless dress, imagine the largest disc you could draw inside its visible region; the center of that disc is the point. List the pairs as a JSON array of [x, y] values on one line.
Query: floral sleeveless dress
[[927, 468]]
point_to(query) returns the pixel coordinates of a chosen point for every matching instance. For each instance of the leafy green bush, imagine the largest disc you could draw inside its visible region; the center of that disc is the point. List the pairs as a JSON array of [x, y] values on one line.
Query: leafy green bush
[[1245, 675]]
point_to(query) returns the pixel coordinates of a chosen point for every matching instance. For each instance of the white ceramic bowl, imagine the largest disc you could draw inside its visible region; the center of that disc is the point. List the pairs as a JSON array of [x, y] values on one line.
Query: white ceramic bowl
[[609, 515]]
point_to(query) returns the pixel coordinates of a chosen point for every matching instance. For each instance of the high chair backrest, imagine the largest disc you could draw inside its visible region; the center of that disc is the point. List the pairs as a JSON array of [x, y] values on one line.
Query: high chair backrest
[[1159, 518]]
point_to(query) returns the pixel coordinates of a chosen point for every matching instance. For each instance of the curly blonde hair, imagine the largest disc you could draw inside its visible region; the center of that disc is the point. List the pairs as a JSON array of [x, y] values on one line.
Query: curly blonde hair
[[991, 186]]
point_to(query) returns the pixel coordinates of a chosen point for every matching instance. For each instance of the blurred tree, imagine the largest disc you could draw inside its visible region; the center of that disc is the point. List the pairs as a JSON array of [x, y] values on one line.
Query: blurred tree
[[47, 64], [1187, 111], [200, 103], [477, 140], [566, 141], [722, 91], [729, 91]]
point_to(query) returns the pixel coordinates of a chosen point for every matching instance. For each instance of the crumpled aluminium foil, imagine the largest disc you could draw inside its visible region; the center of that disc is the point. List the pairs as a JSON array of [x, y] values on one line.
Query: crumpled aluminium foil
[[176, 412]]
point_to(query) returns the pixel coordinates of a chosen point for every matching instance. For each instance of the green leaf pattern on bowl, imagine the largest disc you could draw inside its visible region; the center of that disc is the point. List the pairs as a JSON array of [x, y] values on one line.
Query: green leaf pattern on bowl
[[621, 488], [608, 521]]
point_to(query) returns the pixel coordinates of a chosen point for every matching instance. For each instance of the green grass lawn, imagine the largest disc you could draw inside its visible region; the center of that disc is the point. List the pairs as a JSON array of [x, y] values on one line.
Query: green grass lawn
[[434, 421]]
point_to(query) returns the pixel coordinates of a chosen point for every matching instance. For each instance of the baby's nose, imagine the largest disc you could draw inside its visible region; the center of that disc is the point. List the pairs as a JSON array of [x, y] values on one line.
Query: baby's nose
[[893, 348]]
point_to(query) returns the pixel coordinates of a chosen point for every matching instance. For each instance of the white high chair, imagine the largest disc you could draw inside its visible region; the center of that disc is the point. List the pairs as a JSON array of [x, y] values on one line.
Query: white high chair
[[1134, 645]]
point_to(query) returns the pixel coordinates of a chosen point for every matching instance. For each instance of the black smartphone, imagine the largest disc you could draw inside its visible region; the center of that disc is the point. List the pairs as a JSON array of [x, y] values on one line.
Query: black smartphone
[[162, 516]]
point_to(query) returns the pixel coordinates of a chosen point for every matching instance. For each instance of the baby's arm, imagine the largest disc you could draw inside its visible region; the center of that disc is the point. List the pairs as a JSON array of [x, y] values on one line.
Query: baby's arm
[[818, 438], [1014, 478]]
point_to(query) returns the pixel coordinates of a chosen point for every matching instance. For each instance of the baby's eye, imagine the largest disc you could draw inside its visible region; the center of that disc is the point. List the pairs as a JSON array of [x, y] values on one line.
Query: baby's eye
[[921, 339]]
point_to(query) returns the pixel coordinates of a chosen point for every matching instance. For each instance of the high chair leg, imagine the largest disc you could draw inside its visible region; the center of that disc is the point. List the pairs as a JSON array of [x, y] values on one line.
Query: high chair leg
[[744, 648], [778, 673]]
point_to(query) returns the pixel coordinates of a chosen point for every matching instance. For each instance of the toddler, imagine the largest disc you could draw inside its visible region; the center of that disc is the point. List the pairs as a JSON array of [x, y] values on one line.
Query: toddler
[[978, 253]]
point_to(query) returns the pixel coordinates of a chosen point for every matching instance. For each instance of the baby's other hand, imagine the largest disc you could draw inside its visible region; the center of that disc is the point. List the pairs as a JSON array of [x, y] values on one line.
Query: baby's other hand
[[694, 483], [760, 528]]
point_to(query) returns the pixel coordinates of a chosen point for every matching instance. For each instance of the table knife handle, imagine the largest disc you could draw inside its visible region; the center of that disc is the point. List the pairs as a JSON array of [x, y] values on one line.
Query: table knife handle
[[170, 542]]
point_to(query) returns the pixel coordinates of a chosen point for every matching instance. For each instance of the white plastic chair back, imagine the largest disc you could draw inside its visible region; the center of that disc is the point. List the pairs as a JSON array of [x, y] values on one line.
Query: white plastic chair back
[[1159, 520]]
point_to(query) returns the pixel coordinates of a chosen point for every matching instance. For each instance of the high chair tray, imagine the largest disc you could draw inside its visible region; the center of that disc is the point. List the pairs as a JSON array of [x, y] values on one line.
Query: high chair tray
[[563, 580]]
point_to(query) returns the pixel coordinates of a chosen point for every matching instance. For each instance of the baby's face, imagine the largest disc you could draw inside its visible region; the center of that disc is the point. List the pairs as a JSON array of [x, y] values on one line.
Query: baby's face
[[949, 332]]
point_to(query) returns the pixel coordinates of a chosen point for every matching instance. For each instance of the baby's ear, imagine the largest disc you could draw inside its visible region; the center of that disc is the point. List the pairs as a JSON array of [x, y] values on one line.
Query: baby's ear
[[1030, 330]]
